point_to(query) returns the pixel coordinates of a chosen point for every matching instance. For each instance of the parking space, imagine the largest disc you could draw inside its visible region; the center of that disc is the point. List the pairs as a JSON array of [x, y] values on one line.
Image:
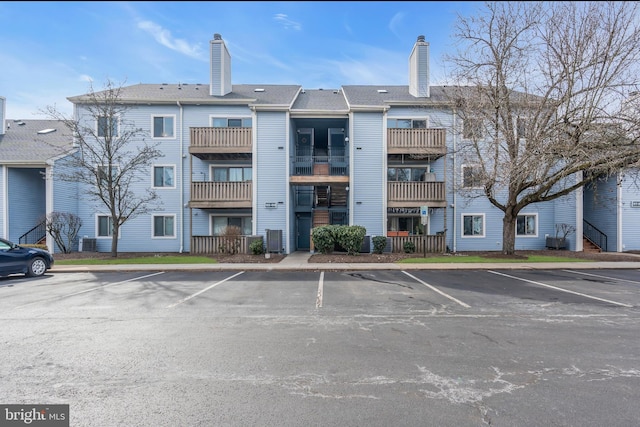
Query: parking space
[[349, 292], [457, 347]]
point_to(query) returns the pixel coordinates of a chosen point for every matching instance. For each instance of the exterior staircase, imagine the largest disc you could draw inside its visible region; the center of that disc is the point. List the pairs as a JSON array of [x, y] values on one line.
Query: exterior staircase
[[589, 246], [320, 217]]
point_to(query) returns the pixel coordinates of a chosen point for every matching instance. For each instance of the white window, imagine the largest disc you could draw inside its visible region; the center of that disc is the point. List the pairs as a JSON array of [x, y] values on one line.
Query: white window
[[219, 223], [471, 176], [526, 225], [164, 226], [163, 126], [473, 225], [226, 122], [406, 174], [472, 129], [103, 174], [104, 226], [231, 174], [163, 176], [107, 126], [406, 123]]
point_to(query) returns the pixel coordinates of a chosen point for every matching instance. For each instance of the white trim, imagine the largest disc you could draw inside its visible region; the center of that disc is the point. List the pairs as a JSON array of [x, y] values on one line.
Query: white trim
[[474, 236], [468, 165], [153, 224], [153, 176], [97, 228], [153, 116], [534, 214], [5, 201]]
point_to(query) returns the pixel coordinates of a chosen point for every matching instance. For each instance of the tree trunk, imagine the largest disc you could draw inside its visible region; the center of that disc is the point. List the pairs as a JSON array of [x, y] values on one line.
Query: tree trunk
[[509, 233], [114, 241]]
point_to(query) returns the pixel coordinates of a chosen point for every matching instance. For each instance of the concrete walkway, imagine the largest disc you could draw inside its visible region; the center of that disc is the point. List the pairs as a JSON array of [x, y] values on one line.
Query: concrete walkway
[[298, 261]]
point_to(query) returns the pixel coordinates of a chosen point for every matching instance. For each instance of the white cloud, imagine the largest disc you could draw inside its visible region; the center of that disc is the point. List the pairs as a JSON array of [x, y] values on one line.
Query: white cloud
[[286, 22], [164, 37], [396, 23], [85, 78]]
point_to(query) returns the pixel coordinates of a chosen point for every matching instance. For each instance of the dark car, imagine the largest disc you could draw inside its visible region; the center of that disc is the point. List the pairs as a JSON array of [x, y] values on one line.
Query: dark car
[[15, 259]]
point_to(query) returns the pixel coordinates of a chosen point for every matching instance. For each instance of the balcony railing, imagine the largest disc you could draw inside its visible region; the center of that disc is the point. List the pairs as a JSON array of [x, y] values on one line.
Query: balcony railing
[[221, 194], [220, 140], [428, 244], [417, 141], [219, 244], [321, 165], [411, 194]]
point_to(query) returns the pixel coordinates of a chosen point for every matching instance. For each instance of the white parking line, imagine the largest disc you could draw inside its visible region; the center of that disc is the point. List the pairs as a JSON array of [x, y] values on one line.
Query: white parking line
[[204, 290], [320, 287], [602, 277], [438, 290], [91, 289], [561, 289]]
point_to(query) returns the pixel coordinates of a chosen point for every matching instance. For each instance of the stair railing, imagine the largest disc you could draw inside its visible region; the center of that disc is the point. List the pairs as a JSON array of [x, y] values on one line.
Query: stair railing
[[34, 235], [594, 235]]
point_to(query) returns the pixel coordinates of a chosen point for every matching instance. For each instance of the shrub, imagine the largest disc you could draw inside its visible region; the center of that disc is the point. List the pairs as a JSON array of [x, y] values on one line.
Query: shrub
[[230, 240], [257, 246], [379, 243], [323, 240], [350, 237], [409, 247]]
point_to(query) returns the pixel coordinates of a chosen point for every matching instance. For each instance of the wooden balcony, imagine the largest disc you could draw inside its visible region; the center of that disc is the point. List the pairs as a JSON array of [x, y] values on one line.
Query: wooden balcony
[[428, 142], [205, 140], [207, 195], [402, 194]]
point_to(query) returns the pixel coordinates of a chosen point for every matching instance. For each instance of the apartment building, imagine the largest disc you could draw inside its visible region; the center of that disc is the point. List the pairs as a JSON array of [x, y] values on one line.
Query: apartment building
[[278, 160]]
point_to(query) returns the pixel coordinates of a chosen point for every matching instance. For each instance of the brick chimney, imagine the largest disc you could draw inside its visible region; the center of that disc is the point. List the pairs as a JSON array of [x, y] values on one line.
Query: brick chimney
[[220, 67], [419, 69]]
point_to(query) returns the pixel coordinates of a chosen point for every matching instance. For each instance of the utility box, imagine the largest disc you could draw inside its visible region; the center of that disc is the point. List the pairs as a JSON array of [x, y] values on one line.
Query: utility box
[[274, 241], [366, 245], [88, 245]]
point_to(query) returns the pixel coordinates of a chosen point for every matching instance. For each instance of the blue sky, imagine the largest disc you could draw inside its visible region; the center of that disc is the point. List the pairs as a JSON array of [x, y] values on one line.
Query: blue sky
[[52, 50]]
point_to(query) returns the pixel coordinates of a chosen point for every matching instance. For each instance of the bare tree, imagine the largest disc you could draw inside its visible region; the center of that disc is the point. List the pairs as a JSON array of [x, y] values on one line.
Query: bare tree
[[112, 157], [64, 228], [546, 91]]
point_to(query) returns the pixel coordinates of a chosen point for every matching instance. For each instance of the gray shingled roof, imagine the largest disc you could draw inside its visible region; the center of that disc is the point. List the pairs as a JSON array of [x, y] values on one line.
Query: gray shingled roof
[[22, 144], [380, 96], [321, 100], [272, 95]]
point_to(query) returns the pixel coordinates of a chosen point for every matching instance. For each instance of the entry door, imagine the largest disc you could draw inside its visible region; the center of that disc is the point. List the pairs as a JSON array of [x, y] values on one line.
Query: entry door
[[303, 231]]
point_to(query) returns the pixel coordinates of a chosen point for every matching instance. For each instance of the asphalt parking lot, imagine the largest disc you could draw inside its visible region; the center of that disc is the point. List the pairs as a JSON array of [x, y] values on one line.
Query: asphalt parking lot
[[351, 348]]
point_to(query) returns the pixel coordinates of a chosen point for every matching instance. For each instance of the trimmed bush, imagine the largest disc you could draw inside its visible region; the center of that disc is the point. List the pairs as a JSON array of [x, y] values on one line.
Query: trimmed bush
[[409, 247], [379, 243], [350, 238], [323, 240], [257, 246]]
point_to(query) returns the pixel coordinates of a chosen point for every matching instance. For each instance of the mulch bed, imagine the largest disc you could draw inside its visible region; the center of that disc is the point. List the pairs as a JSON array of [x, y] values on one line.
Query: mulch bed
[[362, 258]]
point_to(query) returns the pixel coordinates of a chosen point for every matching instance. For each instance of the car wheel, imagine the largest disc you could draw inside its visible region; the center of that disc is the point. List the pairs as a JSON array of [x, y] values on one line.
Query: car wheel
[[37, 267]]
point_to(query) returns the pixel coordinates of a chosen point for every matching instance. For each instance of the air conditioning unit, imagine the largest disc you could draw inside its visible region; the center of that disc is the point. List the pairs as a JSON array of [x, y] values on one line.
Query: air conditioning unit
[[274, 241], [366, 245], [89, 245]]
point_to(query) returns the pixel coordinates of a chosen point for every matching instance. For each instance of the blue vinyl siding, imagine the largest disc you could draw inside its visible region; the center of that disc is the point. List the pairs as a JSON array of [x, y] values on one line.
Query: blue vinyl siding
[[271, 176], [601, 209], [26, 200], [2, 201], [368, 177], [630, 227]]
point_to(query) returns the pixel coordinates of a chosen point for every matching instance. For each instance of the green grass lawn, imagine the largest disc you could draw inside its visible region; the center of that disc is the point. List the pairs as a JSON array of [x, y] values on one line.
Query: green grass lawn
[[476, 259], [140, 260]]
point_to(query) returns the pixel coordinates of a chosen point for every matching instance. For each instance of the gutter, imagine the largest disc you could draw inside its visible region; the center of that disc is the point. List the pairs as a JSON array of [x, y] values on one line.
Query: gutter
[[181, 225]]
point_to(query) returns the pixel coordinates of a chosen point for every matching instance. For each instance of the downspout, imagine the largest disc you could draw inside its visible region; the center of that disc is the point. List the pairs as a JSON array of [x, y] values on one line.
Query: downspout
[[619, 246], [453, 182], [5, 200], [181, 220]]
